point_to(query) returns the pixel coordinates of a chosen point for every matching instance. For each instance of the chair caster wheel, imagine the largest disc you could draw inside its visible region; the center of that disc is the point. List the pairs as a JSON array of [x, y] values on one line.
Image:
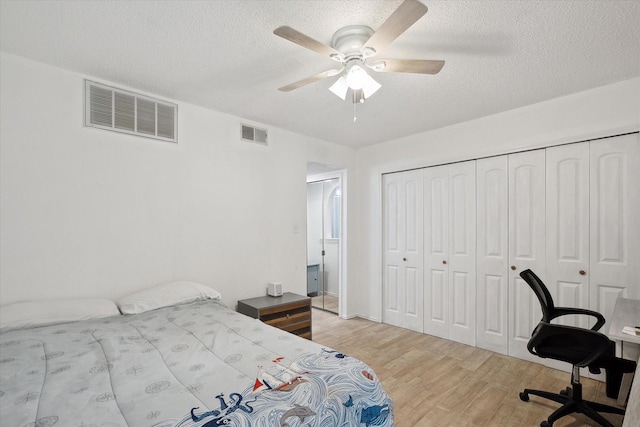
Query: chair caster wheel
[[524, 397], [563, 393], [545, 424]]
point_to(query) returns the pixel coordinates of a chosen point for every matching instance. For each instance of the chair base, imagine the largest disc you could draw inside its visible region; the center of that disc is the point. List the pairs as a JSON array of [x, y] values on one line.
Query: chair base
[[572, 402]]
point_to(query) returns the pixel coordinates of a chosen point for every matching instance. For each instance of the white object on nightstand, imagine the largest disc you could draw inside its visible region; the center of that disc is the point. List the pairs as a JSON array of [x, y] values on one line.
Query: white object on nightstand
[[274, 289]]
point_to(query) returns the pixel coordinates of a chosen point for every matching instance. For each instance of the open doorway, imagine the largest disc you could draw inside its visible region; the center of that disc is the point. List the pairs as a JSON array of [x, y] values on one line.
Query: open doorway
[[325, 240]]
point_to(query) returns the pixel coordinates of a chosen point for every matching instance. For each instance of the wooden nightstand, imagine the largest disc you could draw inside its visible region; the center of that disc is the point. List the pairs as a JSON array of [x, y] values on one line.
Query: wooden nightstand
[[289, 312]]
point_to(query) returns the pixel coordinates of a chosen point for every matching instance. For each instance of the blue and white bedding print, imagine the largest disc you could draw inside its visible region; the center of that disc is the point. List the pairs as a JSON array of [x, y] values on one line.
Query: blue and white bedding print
[[191, 365]]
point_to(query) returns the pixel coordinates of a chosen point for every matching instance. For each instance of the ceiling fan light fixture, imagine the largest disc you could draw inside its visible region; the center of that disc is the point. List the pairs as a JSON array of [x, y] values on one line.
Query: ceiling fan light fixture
[[370, 87], [340, 88], [356, 77]]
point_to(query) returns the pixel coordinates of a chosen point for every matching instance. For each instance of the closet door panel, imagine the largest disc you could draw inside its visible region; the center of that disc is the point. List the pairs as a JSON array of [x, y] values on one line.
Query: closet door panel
[[391, 313], [521, 324], [392, 293], [492, 253], [413, 258], [567, 225], [435, 306], [615, 228], [462, 252], [411, 306], [526, 245], [461, 287], [402, 249], [436, 230]]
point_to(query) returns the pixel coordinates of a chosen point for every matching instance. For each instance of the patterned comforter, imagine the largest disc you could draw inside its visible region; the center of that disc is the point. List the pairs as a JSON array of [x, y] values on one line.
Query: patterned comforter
[[197, 364]]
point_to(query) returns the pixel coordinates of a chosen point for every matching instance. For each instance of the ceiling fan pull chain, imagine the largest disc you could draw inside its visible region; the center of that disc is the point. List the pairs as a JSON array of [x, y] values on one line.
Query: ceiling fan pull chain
[[354, 106]]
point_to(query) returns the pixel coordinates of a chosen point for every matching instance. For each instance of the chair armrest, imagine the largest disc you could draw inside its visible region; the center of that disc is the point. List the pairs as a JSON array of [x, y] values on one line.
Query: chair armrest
[[563, 311], [592, 344]]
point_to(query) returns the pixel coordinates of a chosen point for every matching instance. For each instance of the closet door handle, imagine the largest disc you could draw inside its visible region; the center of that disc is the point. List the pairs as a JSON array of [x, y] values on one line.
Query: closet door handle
[[582, 272], [404, 259], [444, 261], [513, 267]]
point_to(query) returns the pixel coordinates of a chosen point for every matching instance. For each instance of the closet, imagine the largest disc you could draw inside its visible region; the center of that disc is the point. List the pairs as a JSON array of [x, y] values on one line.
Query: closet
[[571, 213]]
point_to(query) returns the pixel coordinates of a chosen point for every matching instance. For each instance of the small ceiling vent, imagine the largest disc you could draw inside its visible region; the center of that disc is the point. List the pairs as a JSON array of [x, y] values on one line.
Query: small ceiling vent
[[119, 110], [253, 134]]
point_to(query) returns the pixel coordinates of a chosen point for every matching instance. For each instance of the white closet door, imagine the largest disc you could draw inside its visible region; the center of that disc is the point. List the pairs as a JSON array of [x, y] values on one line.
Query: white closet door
[[450, 251], [615, 222], [402, 228], [526, 245], [567, 196], [462, 252], [436, 251], [567, 225], [492, 253]]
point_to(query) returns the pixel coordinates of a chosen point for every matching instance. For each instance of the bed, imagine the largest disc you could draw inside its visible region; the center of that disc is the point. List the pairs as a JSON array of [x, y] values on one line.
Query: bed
[[194, 363]]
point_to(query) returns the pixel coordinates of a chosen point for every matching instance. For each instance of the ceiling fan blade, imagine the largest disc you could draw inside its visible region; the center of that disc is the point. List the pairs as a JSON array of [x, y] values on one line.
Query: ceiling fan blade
[[303, 40], [404, 16], [310, 79], [418, 66]]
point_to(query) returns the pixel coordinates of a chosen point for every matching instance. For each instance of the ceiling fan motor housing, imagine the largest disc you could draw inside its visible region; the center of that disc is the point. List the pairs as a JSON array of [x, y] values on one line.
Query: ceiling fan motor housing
[[350, 39]]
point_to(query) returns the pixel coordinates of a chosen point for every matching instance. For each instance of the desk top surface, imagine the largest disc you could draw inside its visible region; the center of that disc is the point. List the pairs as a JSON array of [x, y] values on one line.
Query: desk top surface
[[625, 313]]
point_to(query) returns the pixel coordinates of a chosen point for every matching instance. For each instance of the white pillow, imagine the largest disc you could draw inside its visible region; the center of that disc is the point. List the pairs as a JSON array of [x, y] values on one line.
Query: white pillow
[[31, 314], [165, 295]]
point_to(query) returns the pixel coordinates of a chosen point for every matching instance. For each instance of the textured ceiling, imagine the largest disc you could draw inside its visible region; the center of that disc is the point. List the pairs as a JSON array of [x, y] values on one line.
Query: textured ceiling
[[223, 55]]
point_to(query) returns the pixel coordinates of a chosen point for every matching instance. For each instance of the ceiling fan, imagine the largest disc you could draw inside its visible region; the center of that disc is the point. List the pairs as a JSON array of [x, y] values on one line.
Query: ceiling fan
[[355, 48]]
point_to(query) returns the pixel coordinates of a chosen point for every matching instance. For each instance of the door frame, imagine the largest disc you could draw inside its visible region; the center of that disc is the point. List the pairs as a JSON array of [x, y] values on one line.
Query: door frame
[[341, 176]]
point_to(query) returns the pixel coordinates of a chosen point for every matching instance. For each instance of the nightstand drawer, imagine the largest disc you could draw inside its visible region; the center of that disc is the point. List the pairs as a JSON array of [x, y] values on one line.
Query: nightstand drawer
[[294, 328], [280, 320], [285, 308]]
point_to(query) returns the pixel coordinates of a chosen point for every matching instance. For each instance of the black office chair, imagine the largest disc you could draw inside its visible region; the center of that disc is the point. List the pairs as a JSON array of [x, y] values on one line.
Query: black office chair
[[578, 346]]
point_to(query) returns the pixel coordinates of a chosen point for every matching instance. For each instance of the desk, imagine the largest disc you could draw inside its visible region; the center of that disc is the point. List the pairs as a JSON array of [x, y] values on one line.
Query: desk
[[627, 313]]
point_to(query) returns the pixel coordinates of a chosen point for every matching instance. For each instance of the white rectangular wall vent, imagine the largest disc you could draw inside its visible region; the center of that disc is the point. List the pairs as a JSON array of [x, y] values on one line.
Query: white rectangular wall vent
[[253, 134], [119, 110]]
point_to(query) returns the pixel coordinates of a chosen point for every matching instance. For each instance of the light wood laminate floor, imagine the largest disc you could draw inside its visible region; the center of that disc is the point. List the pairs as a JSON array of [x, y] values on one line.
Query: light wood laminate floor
[[437, 382], [327, 302]]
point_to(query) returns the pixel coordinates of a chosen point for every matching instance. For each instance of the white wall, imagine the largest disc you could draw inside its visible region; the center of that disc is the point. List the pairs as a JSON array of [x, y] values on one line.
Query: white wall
[[604, 111], [86, 212]]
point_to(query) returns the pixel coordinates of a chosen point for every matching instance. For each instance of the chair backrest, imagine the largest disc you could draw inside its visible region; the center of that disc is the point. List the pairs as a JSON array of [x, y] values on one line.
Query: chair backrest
[[541, 291]]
